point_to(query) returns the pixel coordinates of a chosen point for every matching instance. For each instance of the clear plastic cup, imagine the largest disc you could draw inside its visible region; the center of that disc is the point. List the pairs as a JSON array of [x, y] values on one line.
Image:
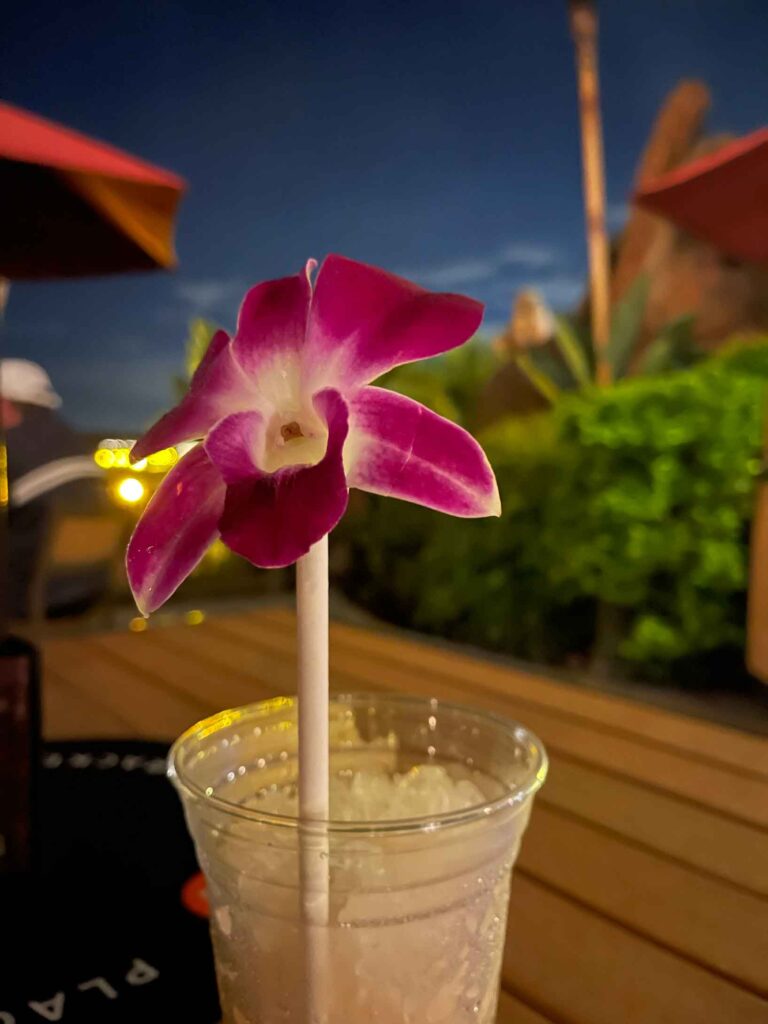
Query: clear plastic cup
[[417, 906]]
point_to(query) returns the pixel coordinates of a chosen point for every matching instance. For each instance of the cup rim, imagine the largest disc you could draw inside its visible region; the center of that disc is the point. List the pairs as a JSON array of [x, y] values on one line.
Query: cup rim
[[514, 797]]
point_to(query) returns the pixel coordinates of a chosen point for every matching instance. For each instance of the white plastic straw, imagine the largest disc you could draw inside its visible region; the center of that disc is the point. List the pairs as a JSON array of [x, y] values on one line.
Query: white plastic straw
[[312, 616]]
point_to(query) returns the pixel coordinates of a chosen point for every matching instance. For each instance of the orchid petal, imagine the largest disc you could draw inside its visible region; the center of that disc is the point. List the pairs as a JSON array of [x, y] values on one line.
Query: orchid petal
[[271, 327], [218, 386], [176, 528], [274, 518], [399, 448], [233, 445], [364, 321]]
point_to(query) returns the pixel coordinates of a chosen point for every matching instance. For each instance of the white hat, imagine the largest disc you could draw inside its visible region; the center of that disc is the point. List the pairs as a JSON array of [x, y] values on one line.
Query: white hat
[[24, 381]]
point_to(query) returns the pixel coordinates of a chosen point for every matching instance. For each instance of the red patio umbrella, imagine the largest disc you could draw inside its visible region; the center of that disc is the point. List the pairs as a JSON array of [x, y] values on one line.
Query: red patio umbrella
[[73, 206], [721, 198]]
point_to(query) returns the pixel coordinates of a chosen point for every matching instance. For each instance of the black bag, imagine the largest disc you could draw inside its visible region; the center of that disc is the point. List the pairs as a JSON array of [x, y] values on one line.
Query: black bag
[[100, 934]]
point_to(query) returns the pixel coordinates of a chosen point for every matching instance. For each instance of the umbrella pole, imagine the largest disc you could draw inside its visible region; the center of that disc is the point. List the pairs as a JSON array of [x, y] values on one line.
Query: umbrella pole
[[584, 23]]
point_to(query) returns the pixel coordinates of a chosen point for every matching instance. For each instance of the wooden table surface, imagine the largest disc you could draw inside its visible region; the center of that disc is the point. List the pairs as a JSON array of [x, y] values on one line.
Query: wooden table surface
[[641, 892]]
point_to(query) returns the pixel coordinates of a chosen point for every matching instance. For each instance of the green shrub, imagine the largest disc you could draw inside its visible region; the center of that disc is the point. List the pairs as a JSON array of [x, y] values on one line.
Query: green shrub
[[637, 497], [451, 384]]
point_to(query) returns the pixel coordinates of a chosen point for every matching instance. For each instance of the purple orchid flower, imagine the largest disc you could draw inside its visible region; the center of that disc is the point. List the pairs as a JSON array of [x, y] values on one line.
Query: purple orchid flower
[[289, 422]]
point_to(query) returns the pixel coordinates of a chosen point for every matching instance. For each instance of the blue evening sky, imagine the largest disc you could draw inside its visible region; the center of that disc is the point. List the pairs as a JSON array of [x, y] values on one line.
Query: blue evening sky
[[437, 139]]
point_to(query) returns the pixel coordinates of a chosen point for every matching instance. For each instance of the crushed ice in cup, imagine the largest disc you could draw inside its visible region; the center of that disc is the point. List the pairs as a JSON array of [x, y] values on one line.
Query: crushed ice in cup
[[423, 791]]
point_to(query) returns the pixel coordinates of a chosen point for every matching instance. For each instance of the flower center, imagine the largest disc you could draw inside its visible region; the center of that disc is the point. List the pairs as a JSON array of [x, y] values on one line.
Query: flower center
[[298, 438], [290, 431]]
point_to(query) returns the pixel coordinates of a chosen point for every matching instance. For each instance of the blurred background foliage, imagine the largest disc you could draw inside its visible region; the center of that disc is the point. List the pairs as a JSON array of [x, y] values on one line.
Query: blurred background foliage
[[562, 358], [196, 345], [452, 384], [635, 498]]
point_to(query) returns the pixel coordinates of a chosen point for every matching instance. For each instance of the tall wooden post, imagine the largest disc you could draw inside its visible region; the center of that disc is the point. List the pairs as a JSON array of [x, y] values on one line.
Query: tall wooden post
[[584, 23]]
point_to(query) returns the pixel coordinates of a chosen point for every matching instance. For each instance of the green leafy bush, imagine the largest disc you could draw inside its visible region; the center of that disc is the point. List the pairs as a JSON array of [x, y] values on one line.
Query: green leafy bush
[[451, 384], [637, 497]]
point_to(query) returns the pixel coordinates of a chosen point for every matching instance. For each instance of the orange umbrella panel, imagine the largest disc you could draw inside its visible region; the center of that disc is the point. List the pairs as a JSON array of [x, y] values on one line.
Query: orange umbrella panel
[[72, 206]]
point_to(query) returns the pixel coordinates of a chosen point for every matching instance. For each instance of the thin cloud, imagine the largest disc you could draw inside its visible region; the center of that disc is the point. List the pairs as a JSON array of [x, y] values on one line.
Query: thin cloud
[[209, 293], [451, 274], [458, 273], [530, 256]]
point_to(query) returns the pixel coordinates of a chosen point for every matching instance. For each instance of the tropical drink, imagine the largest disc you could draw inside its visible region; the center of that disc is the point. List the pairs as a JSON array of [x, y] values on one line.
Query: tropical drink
[[428, 804]]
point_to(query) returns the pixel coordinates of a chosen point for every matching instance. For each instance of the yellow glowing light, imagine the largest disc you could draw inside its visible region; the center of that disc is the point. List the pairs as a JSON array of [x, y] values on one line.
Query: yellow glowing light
[[105, 458], [140, 466], [164, 458], [217, 553], [130, 490], [137, 625], [121, 458], [194, 617]]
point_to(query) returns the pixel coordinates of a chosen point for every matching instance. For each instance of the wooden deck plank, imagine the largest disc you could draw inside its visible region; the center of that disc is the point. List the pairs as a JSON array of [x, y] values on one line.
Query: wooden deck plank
[[705, 740], [275, 674], [724, 790], [695, 836], [580, 968], [715, 925], [153, 710], [726, 794], [512, 1011], [180, 663], [70, 715]]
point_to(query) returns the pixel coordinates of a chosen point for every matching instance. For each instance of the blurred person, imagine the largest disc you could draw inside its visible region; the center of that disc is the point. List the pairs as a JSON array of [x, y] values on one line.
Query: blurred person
[[49, 471]]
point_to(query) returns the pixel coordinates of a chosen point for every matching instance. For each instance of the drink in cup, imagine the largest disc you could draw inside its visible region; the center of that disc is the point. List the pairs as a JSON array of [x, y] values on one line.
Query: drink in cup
[[429, 802]]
